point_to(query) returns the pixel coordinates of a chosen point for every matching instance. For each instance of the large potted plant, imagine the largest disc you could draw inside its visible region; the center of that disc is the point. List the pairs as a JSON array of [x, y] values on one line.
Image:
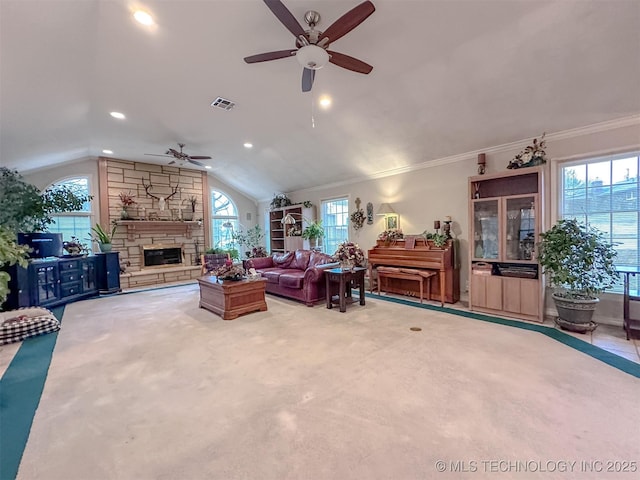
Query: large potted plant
[[251, 240], [10, 254], [579, 263], [313, 232]]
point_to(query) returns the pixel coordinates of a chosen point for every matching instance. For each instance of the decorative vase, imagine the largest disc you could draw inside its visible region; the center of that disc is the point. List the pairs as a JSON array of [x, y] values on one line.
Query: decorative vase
[[346, 265], [105, 247], [187, 215], [124, 214]]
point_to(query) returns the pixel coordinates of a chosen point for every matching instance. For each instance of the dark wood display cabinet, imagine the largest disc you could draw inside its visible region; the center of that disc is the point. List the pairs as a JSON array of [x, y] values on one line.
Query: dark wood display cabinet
[[52, 282]]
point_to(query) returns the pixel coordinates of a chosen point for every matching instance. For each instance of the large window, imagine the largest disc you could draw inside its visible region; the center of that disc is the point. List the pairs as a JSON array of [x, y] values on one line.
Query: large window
[[603, 192], [76, 224], [335, 220], [224, 220]]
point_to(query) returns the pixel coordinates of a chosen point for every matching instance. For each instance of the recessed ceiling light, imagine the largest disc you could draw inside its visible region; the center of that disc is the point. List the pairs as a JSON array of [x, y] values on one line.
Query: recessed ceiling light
[[208, 167], [117, 115], [248, 145], [325, 101], [108, 152], [143, 17]]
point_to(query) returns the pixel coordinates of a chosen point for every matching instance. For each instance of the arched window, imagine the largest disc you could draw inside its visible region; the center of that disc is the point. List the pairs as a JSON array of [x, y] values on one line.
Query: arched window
[[224, 220], [77, 224]]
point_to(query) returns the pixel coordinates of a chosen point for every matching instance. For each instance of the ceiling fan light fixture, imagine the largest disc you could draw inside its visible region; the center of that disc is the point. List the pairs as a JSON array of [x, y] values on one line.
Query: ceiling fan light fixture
[[312, 57]]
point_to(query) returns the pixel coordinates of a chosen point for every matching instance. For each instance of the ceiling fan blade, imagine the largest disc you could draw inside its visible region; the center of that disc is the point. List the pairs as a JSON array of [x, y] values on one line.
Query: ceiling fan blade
[[171, 162], [157, 155], [199, 157], [191, 160], [350, 63], [285, 16], [264, 57], [348, 22], [307, 79]]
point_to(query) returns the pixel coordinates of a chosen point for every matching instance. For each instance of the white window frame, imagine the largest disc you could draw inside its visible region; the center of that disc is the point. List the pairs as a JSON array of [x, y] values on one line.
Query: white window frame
[[557, 187], [84, 236], [327, 227], [234, 219]]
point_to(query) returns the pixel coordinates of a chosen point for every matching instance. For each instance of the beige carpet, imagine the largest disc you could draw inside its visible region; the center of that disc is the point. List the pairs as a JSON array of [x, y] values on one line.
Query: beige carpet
[[149, 386]]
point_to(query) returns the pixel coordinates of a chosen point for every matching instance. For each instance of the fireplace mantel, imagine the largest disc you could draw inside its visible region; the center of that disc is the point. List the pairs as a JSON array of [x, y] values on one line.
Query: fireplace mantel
[[158, 226]]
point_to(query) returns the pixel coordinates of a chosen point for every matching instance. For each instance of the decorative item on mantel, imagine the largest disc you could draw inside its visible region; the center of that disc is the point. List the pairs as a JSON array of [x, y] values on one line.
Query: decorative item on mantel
[[162, 201], [532, 155], [369, 213], [357, 218], [188, 214], [127, 200]]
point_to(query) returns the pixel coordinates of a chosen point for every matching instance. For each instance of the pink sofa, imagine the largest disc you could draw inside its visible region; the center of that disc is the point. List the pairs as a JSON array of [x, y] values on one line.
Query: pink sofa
[[297, 275]]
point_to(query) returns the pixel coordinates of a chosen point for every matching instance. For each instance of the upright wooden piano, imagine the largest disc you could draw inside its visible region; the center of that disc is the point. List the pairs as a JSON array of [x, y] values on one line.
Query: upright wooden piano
[[421, 254]]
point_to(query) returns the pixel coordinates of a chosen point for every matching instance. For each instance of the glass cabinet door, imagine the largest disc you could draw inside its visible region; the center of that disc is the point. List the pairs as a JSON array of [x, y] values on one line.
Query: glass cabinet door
[[520, 228], [485, 229]]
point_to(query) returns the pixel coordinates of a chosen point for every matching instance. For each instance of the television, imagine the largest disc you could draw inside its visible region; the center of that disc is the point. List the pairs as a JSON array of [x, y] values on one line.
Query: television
[[42, 244]]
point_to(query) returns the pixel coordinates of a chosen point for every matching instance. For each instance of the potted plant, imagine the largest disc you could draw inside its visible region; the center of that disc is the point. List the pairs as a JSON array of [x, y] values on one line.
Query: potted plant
[[579, 262], [280, 200], [127, 200], [439, 240], [103, 237], [313, 232], [24, 208], [251, 240]]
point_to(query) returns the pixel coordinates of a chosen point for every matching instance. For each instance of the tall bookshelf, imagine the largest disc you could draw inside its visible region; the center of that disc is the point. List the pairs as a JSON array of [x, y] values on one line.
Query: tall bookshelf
[[282, 239]]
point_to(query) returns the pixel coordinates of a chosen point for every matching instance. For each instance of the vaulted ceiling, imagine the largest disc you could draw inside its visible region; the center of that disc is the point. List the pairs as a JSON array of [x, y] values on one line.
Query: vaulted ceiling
[[449, 77]]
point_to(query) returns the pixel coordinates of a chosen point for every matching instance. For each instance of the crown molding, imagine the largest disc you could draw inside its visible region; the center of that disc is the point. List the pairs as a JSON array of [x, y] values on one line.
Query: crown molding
[[562, 135]]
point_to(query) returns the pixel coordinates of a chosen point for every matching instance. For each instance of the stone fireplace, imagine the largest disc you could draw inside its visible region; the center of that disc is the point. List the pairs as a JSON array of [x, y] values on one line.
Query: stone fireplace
[[160, 251]]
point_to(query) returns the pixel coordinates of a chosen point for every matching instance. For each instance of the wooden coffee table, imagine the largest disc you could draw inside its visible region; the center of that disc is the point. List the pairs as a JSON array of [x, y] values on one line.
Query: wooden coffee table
[[229, 298]]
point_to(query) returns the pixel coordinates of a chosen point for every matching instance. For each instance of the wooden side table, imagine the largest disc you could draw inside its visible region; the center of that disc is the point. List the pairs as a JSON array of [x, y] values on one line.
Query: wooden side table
[[631, 325], [345, 279]]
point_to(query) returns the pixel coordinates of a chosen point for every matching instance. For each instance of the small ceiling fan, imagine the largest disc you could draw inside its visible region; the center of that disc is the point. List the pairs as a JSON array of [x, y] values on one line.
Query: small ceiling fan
[[312, 45], [180, 155]]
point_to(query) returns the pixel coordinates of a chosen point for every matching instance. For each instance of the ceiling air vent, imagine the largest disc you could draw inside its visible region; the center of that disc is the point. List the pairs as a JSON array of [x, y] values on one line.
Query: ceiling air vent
[[223, 103]]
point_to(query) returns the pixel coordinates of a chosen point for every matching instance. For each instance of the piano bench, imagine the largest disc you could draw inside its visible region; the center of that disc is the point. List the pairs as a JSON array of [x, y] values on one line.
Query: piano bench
[[407, 274]]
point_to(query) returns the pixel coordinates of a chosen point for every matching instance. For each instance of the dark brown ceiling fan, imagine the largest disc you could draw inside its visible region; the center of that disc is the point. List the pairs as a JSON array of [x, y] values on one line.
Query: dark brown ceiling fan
[[181, 156], [311, 48]]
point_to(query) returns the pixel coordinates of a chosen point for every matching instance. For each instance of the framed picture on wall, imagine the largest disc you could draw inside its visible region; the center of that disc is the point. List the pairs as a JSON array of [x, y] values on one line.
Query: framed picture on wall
[[392, 222]]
